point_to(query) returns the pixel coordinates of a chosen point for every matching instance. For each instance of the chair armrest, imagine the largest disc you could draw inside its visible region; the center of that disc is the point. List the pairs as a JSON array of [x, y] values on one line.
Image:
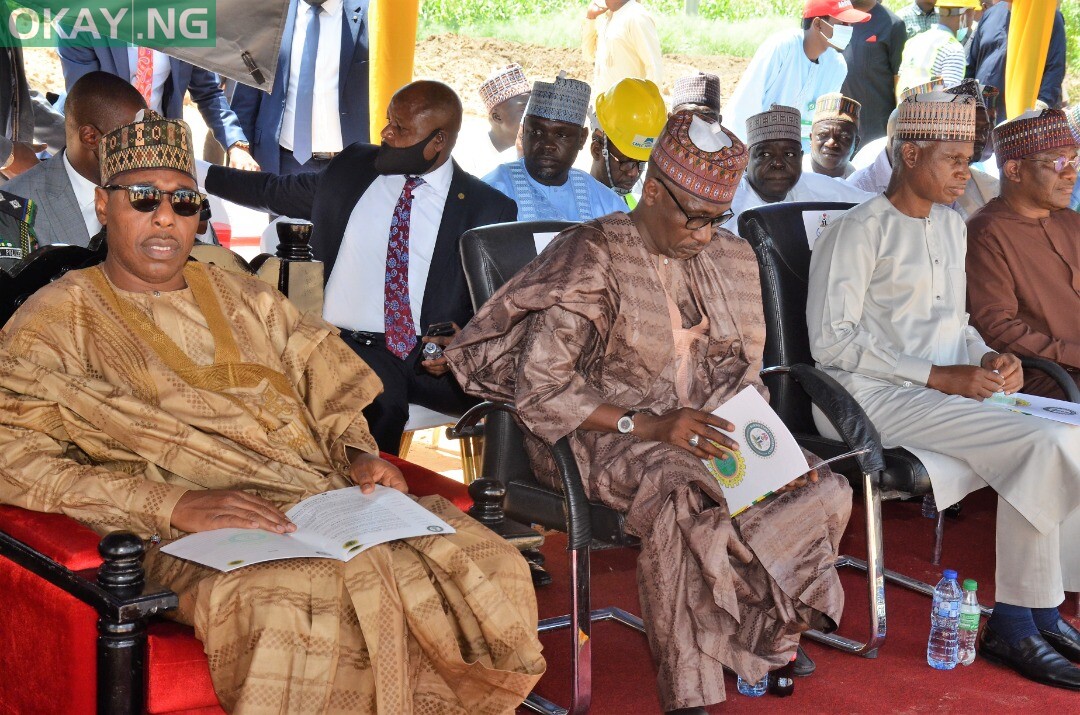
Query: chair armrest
[[843, 412], [578, 524], [1057, 373], [54, 536]]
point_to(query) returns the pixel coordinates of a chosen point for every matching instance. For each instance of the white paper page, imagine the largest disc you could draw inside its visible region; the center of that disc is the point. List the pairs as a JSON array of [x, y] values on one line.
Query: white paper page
[[354, 521], [228, 549], [1044, 407], [543, 239], [816, 222], [769, 456]]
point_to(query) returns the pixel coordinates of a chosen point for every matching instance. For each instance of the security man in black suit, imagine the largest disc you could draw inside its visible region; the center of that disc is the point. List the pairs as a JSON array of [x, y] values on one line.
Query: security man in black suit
[[387, 220]]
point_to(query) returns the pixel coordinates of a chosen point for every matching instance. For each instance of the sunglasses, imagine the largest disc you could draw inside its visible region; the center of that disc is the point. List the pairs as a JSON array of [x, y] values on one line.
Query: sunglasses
[[693, 223], [1061, 162], [145, 198]]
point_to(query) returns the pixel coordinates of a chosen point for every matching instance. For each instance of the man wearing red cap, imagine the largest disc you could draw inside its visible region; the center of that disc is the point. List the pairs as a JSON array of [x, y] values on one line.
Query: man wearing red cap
[[563, 341], [795, 67]]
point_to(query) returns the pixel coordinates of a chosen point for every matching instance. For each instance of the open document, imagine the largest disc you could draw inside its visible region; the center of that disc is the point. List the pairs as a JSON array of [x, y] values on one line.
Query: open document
[[1046, 407], [769, 457], [337, 524]]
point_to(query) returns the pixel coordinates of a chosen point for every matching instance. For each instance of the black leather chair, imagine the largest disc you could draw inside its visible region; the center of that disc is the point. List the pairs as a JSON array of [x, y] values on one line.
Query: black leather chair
[[491, 255], [778, 236]]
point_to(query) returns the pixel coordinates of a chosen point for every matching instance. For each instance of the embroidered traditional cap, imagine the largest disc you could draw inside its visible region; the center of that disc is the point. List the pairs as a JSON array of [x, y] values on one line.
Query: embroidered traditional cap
[[936, 84], [702, 88], [150, 142], [1072, 115], [778, 122], [836, 106], [1032, 132], [972, 88], [700, 157], [564, 100], [936, 116], [504, 84]]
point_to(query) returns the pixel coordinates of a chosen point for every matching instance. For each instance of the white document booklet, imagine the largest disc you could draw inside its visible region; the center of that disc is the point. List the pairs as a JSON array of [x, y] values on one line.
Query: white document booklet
[[768, 458], [1046, 407], [337, 524]]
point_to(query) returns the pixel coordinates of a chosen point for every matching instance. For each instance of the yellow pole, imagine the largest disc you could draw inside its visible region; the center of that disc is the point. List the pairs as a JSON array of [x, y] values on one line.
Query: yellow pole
[[392, 40], [1030, 26]]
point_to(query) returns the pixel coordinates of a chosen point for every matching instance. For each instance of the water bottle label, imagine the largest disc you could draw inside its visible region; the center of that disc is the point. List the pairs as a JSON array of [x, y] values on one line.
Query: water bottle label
[[948, 610], [969, 621]]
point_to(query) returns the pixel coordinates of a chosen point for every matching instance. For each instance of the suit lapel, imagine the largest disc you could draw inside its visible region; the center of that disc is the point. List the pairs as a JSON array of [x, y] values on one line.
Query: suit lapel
[[62, 203], [285, 53], [445, 253]]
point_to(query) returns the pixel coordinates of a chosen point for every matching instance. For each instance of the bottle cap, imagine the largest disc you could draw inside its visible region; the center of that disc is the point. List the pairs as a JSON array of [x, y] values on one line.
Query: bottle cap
[[970, 584], [949, 573]]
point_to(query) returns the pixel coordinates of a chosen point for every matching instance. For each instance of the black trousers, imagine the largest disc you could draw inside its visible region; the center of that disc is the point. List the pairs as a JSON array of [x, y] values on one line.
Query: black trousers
[[404, 382]]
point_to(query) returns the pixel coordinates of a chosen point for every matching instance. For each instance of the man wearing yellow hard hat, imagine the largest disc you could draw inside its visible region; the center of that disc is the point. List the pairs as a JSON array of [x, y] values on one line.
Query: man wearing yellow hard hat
[[629, 117], [939, 52]]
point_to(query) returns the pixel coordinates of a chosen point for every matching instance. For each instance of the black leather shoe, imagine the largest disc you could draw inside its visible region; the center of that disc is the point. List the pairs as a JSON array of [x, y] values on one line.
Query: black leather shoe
[[803, 665], [1065, 640], [1032, 658]]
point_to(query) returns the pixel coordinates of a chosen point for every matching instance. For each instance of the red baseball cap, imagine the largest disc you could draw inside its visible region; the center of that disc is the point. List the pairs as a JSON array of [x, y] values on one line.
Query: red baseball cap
[[839, 9]]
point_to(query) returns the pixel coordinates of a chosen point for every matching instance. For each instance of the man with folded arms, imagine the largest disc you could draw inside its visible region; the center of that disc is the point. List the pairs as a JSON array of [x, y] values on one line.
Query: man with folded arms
[[1023, 249], [165, 396], [887, 318]]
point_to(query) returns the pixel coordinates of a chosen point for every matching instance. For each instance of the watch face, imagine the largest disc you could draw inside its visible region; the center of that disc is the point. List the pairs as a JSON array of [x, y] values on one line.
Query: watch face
[[625, 424]]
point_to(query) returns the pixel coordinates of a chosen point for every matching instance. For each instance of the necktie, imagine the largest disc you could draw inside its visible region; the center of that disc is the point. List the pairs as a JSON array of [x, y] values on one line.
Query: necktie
[[397, 311], [305, 98], [144, 74]]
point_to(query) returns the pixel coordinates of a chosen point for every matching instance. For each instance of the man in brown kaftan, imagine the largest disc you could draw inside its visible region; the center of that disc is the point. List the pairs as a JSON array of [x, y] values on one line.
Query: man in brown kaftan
[[625, 333], [166, 396]]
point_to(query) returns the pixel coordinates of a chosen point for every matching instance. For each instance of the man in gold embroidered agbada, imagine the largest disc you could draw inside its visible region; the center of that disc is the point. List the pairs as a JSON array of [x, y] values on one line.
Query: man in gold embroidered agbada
[[164, 396]]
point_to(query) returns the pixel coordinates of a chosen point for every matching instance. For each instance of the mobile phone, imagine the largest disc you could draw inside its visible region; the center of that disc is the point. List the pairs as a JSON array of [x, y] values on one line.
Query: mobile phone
[[436, 330]]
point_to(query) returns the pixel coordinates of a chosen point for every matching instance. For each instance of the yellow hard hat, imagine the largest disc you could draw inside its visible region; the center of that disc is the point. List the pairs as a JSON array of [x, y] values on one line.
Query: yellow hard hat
[[632, 114], [972, 4]]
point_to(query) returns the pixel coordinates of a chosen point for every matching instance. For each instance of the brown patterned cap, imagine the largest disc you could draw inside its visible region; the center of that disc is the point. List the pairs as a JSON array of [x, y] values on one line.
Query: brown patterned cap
[[1031, 133], [150, 142], [778, 122], [700, 157], [504, 84], [936, 116], [936, 84], [836, 106], [702, 88]]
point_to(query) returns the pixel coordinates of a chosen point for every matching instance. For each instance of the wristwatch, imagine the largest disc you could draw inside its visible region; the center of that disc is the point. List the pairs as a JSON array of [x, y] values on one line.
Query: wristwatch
[[241, 145], [625, 424]]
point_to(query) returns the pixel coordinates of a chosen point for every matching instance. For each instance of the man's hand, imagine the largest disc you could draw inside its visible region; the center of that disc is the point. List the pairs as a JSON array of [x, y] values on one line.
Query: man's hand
[[1009, 367], [240, 158], [23, 156], [439, 367], [978, 383], [206, 509], [680, 426], [595, 10], [367, 470]]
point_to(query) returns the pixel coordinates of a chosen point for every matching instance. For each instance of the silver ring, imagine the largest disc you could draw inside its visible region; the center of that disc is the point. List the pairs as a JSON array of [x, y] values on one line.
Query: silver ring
[[694, 440]]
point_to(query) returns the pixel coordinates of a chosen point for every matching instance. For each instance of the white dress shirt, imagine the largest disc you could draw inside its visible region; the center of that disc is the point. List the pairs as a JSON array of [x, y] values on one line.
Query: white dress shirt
[[84, 197], [354, 293], [887, 295], [325, 116], [160, 77]]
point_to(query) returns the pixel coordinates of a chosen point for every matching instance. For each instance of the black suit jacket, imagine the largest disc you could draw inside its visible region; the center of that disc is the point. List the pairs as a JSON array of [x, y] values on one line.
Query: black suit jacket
[[327, 199]]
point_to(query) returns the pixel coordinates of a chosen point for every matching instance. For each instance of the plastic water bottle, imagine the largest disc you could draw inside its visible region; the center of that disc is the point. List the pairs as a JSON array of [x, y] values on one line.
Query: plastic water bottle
[[929, 506], [944, 623], [753, 690], [969, 623]]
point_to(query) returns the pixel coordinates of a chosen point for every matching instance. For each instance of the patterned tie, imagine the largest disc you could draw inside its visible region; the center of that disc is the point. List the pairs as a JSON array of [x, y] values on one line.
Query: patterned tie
[[305, 98], [397, 311], [144, 74]]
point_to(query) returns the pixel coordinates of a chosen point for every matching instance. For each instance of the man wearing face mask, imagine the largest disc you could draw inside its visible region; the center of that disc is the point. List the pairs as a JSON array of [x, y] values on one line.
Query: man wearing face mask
[[939, 52], [795, 67], [63, 186], [387, 221]]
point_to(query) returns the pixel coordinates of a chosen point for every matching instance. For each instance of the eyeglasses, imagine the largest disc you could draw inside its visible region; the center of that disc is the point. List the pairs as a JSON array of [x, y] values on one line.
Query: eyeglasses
[[145, 198], [693, 223], [625, 165], [1060, 163]]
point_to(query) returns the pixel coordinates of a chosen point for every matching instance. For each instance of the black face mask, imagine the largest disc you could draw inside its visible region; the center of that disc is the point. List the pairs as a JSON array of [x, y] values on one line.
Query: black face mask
[[405, 160]]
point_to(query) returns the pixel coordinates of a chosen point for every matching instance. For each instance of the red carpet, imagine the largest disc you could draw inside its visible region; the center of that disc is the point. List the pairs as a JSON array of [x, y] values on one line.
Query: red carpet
[[897, 681]]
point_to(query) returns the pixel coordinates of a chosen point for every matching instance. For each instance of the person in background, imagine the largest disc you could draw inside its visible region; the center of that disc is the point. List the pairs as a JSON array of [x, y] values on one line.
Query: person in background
[[982, 186], [629, 118], [875, 177], [319, 102], [986, 56], [699, 93], [939, 51], [620, 41], [505, 93], [834, 136], [1073, 115], [919, 16], [544, 182], [873, 63], [795, 67]]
